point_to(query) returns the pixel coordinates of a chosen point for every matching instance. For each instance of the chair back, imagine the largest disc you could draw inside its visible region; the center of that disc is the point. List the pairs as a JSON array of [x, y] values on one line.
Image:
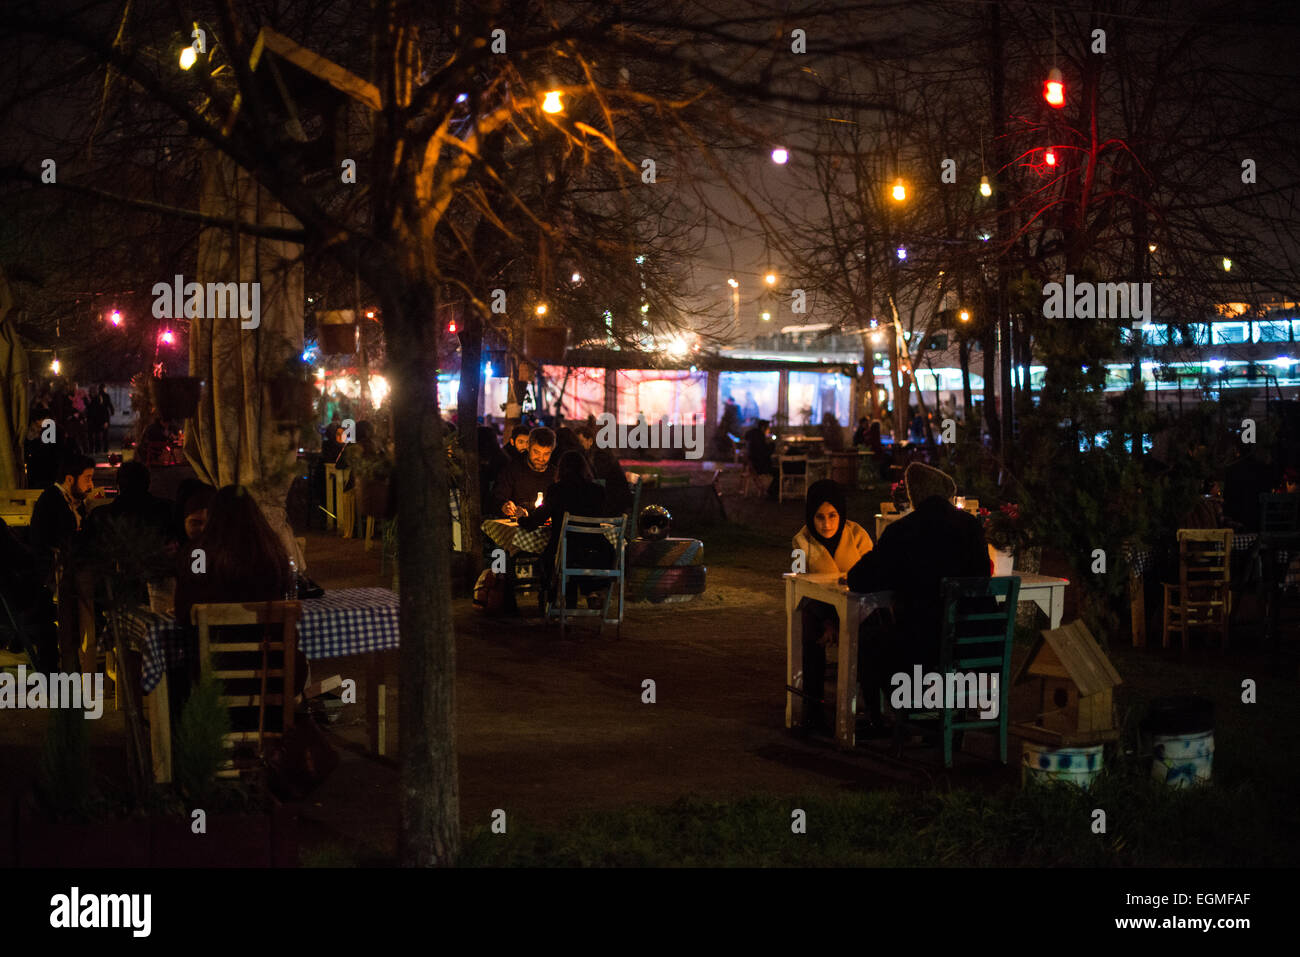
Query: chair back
[[256, 671], [637, 483], [977, 628], [577, 530], [1203, 573], [1279, 518]]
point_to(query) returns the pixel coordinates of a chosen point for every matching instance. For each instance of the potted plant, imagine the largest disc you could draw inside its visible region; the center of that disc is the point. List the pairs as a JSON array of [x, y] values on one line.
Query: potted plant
[[1006, 534]]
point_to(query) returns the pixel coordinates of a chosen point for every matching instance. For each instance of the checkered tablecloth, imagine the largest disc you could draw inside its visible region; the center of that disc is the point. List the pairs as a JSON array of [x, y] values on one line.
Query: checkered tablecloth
[[516, 540], [349, 621]]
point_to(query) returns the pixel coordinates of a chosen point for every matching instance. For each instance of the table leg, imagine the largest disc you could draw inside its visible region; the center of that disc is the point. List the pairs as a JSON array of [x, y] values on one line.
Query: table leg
[[1058, 606], [376, 703], [160, 730], [793, 647], [847, 681]]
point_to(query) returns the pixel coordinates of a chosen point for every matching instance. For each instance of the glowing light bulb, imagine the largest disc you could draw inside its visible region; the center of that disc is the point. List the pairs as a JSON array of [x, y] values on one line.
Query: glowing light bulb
[[900, 191], [56, 366], [1050, 158], [964, 316], [770, 279], [767, 316], [985, 188], [552, 104], [576, 277], [1227, 264], [902, 252], [167, 337], [780, 156], [189, 56], [733, 284], [1054, 89], [541, 309], [115, 317]]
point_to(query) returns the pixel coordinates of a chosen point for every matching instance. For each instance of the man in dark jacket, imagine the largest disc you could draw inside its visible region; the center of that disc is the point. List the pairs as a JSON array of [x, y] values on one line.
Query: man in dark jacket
[[59, 512], [522, 483], [936, 540], [517, 447]]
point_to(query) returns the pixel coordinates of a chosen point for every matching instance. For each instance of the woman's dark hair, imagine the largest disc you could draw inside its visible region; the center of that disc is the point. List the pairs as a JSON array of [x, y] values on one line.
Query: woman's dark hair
[[566, 440], [573, 468], [243, 552]]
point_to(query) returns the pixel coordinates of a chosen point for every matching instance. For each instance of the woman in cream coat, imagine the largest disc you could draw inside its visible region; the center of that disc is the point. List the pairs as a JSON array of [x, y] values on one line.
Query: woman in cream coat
[[831, 545]]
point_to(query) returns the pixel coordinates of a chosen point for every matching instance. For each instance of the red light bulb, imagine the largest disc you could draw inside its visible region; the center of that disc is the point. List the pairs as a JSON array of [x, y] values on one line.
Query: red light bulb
[[1054, 89], [1050, 158]]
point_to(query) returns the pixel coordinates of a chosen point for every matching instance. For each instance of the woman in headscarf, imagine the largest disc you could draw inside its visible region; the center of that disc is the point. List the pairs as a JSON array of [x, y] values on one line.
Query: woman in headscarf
[[831, 544]]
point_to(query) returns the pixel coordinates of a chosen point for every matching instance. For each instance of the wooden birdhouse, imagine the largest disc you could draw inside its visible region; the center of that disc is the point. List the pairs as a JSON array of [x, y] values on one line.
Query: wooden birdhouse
[[1073, 683]]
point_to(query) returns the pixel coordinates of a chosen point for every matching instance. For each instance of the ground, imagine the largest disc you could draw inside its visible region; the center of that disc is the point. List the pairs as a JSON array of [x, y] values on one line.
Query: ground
[[554, 731]]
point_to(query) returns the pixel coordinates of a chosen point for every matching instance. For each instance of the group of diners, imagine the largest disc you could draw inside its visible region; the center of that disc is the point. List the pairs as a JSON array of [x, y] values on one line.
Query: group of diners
[[934, 541], [70, 550], [544, 473]]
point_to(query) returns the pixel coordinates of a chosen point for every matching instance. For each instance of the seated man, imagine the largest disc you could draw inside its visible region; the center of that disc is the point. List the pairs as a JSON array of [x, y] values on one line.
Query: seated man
[[517, 447], [30, 603], [525, 479], [575, 493], [936, 540]]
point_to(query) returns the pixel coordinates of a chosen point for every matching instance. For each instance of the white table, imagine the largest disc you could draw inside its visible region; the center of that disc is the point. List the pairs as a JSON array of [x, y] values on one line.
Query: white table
[[853, 608]]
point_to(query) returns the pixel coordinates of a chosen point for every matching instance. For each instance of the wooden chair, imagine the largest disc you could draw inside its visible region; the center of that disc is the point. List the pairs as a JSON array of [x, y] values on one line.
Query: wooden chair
[[888, 508], [972, 640], [572, 529], [1201, 599], [257, 672]]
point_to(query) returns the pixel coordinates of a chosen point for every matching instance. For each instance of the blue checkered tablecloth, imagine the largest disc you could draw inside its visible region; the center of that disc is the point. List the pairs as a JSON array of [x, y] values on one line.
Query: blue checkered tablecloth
[[349, 621], [508, 534], [1143, 557]]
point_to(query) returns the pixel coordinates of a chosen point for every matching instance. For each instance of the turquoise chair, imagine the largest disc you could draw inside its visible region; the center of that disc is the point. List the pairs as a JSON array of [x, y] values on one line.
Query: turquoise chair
[[971, 641]]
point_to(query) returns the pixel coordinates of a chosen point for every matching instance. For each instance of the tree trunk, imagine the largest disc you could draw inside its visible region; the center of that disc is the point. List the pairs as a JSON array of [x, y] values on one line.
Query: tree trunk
[[430, 799], [963, 358], [471, 384]]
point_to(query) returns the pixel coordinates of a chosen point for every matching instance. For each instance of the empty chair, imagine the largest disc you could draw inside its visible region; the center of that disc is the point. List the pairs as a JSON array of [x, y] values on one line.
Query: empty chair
[[250, 647], [1201, 598]]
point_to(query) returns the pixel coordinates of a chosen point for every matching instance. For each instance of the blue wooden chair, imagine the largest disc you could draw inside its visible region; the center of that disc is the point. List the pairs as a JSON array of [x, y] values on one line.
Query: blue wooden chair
[[573, 530], [974, 639]]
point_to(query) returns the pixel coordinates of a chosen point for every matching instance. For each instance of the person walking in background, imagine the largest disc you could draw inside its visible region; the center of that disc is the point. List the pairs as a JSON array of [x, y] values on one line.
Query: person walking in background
[[99, 413]]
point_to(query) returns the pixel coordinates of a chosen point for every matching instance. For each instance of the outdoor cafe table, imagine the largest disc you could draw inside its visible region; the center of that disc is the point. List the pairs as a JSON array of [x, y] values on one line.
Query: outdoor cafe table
[[515, 540], [346, 621], [853, 608]]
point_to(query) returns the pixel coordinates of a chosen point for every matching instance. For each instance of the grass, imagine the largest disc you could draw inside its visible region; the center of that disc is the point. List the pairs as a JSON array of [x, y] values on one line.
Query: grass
[[1146, 824]]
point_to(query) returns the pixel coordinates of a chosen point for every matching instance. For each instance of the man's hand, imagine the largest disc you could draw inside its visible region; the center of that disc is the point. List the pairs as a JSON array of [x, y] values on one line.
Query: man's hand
[[509, 510]]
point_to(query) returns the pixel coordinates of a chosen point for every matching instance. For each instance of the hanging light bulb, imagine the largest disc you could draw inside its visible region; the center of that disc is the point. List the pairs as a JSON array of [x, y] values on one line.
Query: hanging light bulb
[[1054, 89], [1050, 158], [900, 191], [964, 316], [552, 104], [780, 156], [56, 366], [985, 188], [1227, 264], [189, 56]]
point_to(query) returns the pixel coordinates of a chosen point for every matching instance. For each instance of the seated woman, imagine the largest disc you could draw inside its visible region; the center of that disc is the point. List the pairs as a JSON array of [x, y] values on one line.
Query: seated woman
[[576, 493], [831, 545], [244, 560]]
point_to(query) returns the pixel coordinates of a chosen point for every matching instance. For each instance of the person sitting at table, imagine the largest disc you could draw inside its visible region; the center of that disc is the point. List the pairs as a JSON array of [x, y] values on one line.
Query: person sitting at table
[[133, 505], [576, 493], [524, 479], [831, 544], [759, 450], [193, 499], [934, 541], [605, 467], [244, 560], [517, 447]]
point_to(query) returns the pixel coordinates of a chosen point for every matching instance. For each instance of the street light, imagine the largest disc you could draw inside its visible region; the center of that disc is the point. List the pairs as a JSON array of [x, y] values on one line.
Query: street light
[[552, 104]]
